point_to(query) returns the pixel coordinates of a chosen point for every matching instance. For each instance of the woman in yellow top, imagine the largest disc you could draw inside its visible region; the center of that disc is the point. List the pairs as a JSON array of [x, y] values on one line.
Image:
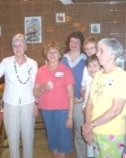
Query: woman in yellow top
[[106, 107]]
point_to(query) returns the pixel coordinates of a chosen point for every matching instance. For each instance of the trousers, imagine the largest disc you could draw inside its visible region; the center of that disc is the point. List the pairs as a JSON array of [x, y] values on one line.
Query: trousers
[[19, 120], [78, 119]]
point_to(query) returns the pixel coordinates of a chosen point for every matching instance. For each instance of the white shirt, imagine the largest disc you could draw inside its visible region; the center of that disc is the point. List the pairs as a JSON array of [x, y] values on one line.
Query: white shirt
[[16, 93], [73, 64], [86, 78], [86, 81]]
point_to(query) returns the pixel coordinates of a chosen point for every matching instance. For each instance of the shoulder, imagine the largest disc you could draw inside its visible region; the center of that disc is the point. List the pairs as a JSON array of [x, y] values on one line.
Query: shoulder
[[86, 74], [85, 70], [8, 59], [64, 58], [42, 68], [98, 74], [64, 67], [82, 59], [83, 56], [121, 73], [41, 71], [31, 61]]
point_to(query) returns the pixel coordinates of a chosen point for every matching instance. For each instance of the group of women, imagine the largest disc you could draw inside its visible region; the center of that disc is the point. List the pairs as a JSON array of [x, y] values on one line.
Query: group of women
[[55, 89]]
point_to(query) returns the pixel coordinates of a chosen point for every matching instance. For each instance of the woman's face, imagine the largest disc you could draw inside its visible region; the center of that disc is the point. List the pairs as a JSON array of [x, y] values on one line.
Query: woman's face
[[75, 44], [90, 48], [103, 55], [93, 67], [53, 55], [19, 48]]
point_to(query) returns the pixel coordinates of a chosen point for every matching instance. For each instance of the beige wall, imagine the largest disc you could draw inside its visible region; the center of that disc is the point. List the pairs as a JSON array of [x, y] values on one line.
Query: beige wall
[[112, 18]]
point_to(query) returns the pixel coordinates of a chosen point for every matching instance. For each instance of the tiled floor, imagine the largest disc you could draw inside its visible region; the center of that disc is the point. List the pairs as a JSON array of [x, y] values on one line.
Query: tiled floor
[[40, 148]]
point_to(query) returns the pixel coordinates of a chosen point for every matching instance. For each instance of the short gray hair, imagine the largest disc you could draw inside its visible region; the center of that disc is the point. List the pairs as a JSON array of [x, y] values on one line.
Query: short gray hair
[[19, 37], [113, 45]]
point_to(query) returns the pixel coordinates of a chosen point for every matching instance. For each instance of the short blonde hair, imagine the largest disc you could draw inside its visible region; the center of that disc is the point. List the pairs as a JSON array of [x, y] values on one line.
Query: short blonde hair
[[19, 37], [92, 39], [52, 45]]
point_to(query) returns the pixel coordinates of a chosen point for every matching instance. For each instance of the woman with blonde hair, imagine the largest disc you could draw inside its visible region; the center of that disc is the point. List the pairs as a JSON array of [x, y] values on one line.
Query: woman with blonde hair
[[54, 92]]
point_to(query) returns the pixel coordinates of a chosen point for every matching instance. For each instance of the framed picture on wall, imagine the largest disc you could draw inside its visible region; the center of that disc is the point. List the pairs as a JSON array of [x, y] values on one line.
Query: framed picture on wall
[[60, 17], [95, 28], [33, 29]]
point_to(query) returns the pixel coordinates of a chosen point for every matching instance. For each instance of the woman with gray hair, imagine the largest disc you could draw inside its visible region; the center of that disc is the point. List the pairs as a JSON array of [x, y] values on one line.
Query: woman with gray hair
[[106, 106], [19, 102]]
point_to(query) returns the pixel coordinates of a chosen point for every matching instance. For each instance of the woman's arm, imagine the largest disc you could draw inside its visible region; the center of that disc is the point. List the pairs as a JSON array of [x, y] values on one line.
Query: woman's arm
[[87, 113], [37, 90], [115, 110], [70, 89], [88, 110], [82, 91]]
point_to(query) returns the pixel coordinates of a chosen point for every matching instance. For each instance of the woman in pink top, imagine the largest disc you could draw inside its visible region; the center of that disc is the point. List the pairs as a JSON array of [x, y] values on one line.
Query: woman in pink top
[[54, 91]]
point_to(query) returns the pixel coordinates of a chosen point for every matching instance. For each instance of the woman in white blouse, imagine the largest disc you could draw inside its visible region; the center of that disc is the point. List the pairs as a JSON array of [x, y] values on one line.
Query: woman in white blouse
[[19, 102]]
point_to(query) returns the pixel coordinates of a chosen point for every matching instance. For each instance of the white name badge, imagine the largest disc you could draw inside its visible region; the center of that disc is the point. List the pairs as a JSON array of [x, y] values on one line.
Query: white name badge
[[59, 74]]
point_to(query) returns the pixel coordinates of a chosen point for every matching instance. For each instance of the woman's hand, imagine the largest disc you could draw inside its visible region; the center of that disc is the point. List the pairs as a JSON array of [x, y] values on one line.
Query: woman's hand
[[48, 85], [38, 90], [69, 123], [35, 111], [87, 128], [89, 138], [79, 100]]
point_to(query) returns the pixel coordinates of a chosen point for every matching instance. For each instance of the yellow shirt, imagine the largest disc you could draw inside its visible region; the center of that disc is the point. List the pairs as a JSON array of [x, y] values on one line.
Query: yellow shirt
[[104, 89]]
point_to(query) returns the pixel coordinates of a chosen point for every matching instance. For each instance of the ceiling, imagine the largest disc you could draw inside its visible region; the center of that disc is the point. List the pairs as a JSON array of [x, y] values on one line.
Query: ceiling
[[85, 1]]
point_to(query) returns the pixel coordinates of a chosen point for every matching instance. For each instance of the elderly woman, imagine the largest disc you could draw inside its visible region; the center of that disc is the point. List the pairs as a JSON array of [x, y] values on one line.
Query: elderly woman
[[19, 102], [106, 106], [54, 90]]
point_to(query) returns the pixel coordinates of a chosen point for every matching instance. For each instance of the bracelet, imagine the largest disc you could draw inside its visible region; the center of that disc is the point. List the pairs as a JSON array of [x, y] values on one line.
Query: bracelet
[[70, 116]]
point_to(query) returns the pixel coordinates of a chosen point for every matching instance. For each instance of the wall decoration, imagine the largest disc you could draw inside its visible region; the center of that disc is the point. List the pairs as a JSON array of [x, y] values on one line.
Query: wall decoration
[[95, 28], [33, 29], [60, 17]]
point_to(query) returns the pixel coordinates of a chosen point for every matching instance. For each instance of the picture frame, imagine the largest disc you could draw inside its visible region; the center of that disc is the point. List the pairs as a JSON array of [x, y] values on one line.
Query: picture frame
[[95, 28], [33, 29], [60, 18]]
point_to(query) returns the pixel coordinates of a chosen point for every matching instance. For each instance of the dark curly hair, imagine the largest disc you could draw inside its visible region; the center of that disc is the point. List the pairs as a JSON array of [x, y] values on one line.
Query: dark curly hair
[[75, 34]]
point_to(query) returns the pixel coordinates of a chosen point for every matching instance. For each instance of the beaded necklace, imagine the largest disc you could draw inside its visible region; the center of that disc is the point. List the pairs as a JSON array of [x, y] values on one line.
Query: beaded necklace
[[15, 67]]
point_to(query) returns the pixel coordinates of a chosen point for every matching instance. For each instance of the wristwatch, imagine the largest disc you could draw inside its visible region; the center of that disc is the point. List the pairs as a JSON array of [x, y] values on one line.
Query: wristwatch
[[70, 116], [93, 124]]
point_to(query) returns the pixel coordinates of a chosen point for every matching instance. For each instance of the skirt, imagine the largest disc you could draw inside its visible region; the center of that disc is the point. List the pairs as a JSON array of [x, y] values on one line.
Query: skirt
[[108, 146]]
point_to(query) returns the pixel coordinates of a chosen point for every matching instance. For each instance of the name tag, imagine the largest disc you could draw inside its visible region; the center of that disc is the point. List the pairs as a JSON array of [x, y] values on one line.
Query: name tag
[[59, 74]]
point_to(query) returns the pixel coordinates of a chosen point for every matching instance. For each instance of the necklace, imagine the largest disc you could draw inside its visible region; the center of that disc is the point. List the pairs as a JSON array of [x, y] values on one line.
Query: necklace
[[15, 67]]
